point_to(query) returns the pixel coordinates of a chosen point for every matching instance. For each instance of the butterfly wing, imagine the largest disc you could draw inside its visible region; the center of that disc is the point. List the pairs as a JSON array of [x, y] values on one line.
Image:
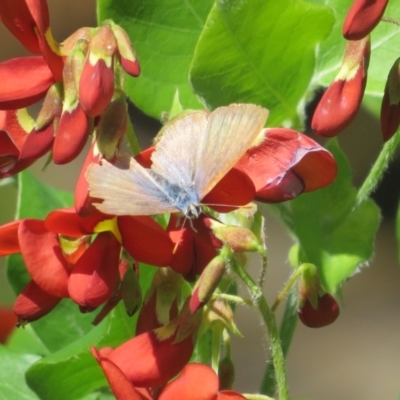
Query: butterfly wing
[[133, 191], [175, 156], [229, 133]]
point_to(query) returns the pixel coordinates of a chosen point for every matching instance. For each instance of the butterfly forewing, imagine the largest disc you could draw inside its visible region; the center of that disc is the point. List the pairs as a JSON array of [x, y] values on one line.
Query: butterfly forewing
[[132, 191], [230, 131], [175, 156]]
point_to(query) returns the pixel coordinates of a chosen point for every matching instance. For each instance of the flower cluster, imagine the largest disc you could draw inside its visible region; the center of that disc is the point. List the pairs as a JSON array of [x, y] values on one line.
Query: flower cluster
[[90, 257], [341, 101]]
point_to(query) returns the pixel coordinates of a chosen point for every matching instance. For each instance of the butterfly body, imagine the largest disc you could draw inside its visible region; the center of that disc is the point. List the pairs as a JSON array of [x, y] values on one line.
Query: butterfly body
[[193, 154]]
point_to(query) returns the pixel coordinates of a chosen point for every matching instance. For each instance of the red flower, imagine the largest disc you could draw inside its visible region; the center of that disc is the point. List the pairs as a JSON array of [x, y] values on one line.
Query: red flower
[[197, 381], [26, 80], [154, 357], [285, 163], [8, 322], [341, 101], [362, 18], [13, 136]]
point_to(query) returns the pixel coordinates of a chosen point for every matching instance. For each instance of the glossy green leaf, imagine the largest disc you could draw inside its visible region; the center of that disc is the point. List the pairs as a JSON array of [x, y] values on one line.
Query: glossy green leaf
[[72, 372], [13, 365], [335, 234], [385, 42], [262, 52], [164, 34]]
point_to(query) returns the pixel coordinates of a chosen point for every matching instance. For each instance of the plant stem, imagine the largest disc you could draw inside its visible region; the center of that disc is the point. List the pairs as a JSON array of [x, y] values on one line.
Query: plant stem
[[286, 332], [379, 167], [270, 321], [286, 289]]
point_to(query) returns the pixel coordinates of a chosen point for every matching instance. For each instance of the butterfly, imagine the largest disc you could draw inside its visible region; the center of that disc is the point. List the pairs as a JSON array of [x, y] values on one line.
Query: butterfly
[[193, 154]]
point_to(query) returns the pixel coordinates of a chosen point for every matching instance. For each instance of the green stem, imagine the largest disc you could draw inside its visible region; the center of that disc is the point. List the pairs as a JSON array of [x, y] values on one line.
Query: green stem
[[286, 289], [379, 167], [270, 321], [216, 346], [286, 332]]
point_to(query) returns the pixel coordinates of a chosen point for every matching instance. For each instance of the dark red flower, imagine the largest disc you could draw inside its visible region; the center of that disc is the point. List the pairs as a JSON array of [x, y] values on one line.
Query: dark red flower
[[362, 18], [341, 101], [325, 313]]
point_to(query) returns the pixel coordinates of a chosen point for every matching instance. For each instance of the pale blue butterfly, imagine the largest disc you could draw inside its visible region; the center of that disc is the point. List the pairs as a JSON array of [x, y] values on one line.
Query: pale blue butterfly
[[193, 154]]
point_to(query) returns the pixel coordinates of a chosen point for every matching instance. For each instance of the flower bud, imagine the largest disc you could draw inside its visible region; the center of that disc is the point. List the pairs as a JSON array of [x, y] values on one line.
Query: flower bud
[[207, 282], [131, 292], [362, 18], [129, 61], [226, 373], [96, 85], [341, 101], [237, 238], [390, 109], [325, 313], [73, 128]]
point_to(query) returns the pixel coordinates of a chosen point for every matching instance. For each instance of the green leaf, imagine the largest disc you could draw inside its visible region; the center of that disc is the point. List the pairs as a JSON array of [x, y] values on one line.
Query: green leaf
[[385, 40], [335, 234], [72, 372], [262, 52], [26, 340], [164, 34], [13, 366]]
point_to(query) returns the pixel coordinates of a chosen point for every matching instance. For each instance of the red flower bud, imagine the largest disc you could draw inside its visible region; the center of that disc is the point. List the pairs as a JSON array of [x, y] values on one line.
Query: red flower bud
[[341, 101], [390, 110], [96, 85], [129, 61], [325, 313], [362, 18]]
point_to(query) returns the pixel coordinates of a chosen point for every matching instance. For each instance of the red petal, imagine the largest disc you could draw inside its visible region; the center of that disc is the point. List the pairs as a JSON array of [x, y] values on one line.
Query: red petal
[[120, 385], [183, 257], [145, 240], [362, 18], [148, 361], [38, 143], [82, 200], [47, 267], [96, 87], [234, 190], [33, 303], [285, 164], [16, 16], [71, 136], [24, 81], [9, 238], [67, 222], [196, 382], [8, 321], [94, 277]]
